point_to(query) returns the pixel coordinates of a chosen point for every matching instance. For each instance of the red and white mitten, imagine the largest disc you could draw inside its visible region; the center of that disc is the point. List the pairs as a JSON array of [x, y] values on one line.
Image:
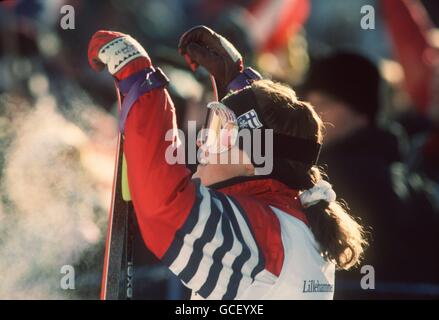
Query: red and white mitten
[[121, 53]]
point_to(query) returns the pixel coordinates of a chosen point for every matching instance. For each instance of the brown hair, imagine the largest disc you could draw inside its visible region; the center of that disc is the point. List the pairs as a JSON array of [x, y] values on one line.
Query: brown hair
[[340, 236]]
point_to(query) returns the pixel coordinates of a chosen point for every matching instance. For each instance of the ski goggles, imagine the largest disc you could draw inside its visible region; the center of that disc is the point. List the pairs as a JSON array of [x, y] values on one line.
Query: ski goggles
[[220, 131]]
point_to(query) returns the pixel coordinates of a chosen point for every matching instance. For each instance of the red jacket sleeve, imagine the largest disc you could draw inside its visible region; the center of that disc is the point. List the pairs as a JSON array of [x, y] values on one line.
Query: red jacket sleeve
[[162, 194]]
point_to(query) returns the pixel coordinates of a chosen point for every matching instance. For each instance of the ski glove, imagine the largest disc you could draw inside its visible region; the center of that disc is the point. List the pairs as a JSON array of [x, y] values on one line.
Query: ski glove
[[202, 46], [122, 54]]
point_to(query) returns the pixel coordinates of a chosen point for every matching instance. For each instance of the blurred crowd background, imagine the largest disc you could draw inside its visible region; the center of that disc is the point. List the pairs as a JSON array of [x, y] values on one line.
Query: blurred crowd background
[[376, 89]]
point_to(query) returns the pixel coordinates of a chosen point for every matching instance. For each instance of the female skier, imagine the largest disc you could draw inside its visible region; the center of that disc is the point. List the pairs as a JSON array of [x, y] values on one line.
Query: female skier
[[229, 232]]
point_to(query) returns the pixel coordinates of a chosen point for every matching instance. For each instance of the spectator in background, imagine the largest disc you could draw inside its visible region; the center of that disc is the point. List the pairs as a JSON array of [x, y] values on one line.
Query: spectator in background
[[363, 161]]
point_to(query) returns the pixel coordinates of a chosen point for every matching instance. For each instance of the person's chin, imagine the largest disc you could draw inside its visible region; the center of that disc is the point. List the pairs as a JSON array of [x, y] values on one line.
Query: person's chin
[[197, 174], [201, 174]]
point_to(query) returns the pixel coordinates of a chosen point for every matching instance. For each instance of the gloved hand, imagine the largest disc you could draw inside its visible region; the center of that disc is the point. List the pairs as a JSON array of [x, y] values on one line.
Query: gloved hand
[[122, 54], [202, 46]]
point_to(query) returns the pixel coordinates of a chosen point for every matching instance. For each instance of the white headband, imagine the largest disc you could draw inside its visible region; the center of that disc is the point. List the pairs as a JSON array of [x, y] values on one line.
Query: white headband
[[322, 190]]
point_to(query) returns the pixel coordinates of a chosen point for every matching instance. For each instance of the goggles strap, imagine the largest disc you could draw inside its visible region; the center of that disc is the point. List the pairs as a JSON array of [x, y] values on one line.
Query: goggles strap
[[284, 147]]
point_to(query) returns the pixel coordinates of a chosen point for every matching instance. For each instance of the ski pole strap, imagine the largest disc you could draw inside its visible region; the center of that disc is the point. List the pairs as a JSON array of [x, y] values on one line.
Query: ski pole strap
[[244, 79], [136, 85]]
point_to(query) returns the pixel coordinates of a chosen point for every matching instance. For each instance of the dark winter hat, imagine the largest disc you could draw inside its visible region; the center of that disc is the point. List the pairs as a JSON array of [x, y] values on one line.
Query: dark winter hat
[[348, 77], [245, 106]]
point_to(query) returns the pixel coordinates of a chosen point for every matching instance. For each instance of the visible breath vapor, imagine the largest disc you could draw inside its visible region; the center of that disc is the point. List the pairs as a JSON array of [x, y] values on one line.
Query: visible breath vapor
[[55, 191]]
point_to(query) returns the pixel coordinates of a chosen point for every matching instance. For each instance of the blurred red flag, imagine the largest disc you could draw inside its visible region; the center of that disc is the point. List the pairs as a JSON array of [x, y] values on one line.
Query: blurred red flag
[[409, 25], [273, 22], [8, 3]]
